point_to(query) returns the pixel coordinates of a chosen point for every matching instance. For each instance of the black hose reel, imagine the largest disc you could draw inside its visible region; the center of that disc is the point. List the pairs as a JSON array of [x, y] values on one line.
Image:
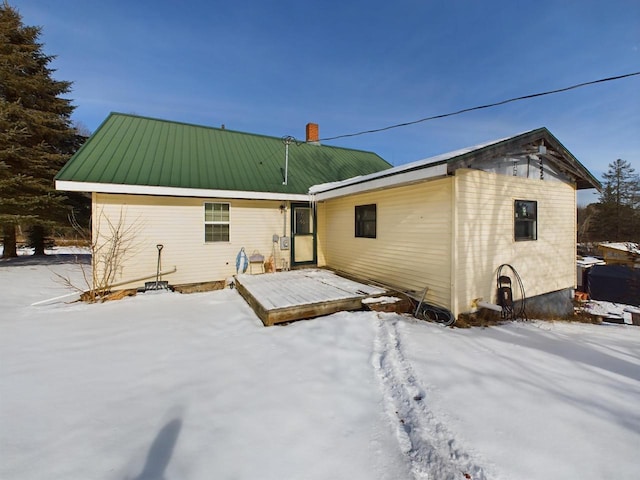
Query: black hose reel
[[505, 294]]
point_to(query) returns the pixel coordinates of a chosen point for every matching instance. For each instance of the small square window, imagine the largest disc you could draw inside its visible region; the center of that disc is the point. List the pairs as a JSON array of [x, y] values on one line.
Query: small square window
[[525, 220], [216, 222], [366, 221], [216, 233]]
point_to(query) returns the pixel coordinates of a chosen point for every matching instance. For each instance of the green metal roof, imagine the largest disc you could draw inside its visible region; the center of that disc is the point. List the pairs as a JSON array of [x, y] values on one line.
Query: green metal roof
[[133, 150]]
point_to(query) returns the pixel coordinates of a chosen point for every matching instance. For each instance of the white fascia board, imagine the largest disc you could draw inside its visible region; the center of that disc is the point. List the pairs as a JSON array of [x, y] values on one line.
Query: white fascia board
[[408, 167], [175, 191], [384, 182]]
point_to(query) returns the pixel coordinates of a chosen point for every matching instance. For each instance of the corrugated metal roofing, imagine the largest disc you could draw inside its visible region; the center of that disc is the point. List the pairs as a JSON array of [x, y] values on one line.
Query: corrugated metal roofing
[[133, 150]]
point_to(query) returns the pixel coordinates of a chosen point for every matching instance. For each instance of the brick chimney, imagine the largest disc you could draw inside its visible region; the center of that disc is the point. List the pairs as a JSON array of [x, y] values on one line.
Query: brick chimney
[[313, 133]]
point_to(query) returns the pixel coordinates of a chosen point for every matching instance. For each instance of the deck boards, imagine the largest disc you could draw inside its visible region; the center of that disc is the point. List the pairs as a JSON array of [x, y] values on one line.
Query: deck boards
[[299, 294]]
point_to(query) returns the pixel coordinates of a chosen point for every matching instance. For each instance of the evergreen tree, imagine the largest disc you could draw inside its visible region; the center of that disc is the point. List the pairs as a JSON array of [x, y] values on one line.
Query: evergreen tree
[[36, 133], [617, 217]]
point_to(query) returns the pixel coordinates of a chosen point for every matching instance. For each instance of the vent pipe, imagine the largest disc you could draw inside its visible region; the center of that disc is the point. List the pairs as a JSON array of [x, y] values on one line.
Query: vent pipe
[[287, 141]]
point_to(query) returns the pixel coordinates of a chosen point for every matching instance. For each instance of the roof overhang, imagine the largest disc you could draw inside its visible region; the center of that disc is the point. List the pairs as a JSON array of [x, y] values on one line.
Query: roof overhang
[[376, 181], [526, 143], [175, 191]]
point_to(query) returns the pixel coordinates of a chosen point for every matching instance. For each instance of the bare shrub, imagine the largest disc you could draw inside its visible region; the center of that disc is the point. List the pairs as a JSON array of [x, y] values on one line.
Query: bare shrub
[[113, 243]]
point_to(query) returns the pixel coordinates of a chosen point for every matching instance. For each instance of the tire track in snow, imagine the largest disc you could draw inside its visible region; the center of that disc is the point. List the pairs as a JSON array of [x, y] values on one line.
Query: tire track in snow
[[430, 447]]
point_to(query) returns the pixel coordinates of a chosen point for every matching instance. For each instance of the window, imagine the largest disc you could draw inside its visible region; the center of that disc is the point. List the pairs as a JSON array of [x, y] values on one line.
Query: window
[[304, 221], [366, 221], [216, 222], [526, 220]]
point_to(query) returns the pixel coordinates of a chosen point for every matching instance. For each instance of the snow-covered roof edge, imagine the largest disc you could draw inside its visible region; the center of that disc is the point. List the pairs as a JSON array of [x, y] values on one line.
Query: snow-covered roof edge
[[421, 169], [407, 167], [623, 246], [418, 170], [418, 164], [589, 261]]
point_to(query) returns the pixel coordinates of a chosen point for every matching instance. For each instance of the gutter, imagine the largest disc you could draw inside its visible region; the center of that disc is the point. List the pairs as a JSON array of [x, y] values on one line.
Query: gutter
[[377, 181], [175, 191]]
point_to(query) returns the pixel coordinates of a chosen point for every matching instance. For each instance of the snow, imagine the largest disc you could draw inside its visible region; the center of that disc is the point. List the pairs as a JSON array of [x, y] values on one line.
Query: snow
[[624, 247], [71, 250], [172, 386], [383, 300], [604, 309], [299, 287], [585, 262]]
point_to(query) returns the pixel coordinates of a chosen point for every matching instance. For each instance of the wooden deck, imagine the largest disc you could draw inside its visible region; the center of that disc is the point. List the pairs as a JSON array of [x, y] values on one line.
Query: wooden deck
[[299, 294]]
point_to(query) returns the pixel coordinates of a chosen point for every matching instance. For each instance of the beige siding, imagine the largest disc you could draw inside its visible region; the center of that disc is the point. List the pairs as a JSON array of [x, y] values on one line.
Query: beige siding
[[412, 248], [321, 219], [178, 224], [485, 235]]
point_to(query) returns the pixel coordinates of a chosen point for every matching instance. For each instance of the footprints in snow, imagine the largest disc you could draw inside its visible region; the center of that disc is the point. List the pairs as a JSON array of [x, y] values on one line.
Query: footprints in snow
[[432, 450]]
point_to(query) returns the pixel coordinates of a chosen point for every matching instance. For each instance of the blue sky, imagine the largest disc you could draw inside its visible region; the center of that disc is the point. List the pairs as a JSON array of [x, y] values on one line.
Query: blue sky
[[272, 67]]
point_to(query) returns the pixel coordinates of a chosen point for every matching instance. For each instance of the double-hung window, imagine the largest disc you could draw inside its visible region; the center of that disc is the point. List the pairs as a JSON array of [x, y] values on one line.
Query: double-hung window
[[525, 220], [216, 222], [366, 221]]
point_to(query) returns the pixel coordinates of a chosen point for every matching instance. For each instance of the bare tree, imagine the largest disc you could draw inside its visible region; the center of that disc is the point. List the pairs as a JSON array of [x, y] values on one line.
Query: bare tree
[[113, 243]]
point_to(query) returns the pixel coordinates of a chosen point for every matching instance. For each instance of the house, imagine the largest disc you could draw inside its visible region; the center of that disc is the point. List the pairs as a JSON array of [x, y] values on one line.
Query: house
[[203, 194], [449, 222], [445, 224], [621, 253]]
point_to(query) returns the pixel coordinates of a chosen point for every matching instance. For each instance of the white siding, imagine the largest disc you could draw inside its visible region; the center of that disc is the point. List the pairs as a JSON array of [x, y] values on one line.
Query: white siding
[[178, 224], [485, 235], [412, 248]]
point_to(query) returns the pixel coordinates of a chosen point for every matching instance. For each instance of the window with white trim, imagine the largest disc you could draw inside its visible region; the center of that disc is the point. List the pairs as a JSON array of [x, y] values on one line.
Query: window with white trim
[[216, 222], [525, 220]]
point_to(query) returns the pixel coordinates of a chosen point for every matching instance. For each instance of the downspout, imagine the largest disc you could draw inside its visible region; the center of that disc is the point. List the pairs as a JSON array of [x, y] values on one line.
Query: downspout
[[285, 253], [314, 209], [284, 219], [94, 237], [575, 234]]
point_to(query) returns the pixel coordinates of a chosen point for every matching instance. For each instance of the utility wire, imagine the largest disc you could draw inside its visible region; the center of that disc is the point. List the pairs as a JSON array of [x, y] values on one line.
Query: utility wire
[[489, 105]]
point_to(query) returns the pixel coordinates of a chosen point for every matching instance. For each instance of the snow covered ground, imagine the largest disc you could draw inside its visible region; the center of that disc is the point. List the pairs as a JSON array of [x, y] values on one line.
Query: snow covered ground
[[170, 386]]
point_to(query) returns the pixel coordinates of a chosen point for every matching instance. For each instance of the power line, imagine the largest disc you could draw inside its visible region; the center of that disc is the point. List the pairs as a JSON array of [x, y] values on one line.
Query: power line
[[489, 105]]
